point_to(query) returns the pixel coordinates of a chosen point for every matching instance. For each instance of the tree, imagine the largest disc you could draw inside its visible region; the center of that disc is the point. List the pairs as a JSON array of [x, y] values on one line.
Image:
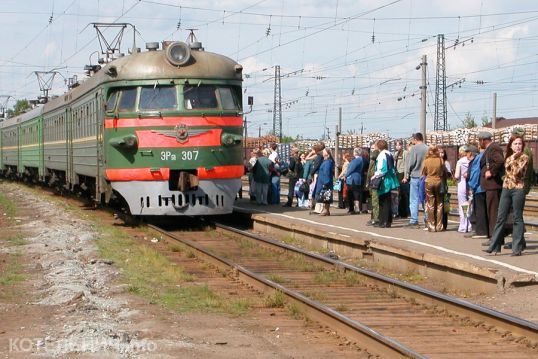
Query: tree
[[468, 121], [484, 119], [21, 106], [287, 139]]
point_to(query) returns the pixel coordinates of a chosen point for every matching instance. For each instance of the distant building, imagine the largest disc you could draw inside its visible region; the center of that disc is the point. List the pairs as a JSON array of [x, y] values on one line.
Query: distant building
[[507, 122]]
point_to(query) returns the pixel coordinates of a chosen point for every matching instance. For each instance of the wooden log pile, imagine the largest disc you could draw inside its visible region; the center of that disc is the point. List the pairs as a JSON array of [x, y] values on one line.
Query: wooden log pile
[[457, 137], [463, 136], [260, 142]]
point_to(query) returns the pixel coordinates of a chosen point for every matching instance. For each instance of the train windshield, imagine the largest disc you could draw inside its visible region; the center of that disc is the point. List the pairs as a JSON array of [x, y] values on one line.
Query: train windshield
[[158, 98], [210, 97]]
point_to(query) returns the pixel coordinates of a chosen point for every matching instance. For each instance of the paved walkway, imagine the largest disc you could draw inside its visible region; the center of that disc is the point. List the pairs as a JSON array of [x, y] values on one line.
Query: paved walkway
[[449, 243]]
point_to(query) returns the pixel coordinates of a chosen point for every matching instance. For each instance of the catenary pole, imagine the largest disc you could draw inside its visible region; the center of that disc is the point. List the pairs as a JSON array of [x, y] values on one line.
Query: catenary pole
[[423, 99]]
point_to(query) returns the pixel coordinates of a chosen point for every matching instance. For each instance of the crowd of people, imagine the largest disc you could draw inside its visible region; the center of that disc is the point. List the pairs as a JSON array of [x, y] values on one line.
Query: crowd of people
[[491, 185]]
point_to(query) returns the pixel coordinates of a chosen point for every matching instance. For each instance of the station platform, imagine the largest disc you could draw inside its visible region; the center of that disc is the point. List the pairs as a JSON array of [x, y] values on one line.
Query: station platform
[[401, 247]]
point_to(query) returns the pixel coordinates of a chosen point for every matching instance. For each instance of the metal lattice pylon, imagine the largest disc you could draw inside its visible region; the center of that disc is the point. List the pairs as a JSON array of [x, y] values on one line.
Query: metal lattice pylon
[[277, 107], [3, 105], [440, 122]]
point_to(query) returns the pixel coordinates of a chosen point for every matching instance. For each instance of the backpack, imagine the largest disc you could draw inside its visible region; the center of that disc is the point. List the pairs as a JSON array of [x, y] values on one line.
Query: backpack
[[390, 161]]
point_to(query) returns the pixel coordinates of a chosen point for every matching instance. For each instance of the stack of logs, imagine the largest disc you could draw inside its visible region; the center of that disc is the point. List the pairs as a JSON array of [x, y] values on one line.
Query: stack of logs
[[260, 142], [457, 137], [463, 136]]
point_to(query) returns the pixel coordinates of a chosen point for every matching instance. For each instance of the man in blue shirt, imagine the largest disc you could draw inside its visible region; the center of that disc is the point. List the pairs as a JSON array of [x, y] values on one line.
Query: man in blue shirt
[[415, 160]]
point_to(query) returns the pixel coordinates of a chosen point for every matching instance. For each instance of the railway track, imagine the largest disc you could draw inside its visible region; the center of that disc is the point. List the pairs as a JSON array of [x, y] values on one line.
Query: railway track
[[385, 316]]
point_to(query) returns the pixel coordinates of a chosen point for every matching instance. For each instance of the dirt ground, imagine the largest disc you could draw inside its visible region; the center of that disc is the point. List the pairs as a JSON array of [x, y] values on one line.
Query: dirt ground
[[68, 302]]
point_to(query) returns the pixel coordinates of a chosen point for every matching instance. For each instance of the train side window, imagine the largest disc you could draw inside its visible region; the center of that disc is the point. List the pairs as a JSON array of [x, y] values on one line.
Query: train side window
[[158, 98], [200, 97], [127, 99], [228, 99], [111, 103]]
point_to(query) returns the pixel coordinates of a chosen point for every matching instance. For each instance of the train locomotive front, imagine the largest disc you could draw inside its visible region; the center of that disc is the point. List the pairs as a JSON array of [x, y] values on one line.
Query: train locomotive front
[[173, 131]]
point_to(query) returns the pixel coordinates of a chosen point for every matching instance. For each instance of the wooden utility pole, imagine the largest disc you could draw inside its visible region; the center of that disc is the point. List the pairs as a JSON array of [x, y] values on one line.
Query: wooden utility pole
[[337, 140], [494, 118]]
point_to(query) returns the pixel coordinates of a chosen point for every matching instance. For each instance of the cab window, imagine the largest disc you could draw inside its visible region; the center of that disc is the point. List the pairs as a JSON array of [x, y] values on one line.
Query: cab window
[[111, 103], [158, 98], [227, 99], [127, 99], [200, 97]]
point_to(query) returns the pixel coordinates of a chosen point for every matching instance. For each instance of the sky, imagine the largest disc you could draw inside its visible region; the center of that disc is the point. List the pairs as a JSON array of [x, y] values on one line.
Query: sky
[[359, 56]]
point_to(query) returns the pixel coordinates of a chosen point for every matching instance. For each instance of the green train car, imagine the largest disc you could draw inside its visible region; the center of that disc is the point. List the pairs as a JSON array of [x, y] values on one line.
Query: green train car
[[160, 130]]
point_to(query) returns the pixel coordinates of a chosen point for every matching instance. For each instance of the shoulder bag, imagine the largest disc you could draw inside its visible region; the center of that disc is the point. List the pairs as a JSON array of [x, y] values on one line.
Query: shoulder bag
[[324, 196], [376, 182]]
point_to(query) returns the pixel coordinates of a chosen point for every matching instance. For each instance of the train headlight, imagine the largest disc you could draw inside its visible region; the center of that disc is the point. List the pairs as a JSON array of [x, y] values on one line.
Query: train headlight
[[178, 53], [230, 139]]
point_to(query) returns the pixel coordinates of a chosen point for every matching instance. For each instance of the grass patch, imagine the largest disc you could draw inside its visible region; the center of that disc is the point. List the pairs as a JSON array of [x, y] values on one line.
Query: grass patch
[[240, 306], [245, 244], [177, 248], [12, 273], [341, 308], [301, 263], [392, 292], [8, 206], [276, 278], [326, 277], [251, 248], [412, 277], [17, 240], [317, 296], [295, 311], [153, 276], [301, 244], [352, 279], [275, 300]]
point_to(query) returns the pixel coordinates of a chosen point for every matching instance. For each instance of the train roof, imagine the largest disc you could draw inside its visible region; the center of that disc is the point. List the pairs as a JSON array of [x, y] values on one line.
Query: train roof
[[154, 65], [33, 113]]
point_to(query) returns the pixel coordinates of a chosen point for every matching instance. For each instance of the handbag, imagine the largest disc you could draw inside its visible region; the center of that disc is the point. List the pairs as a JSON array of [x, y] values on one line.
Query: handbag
[[376, 182], [324, 196]]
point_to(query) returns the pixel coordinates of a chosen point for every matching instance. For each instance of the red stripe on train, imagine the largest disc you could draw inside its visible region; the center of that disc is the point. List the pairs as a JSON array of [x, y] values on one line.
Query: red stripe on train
[[163, 174], [155, 138], [137, 174], [173, 121], [221, 172]]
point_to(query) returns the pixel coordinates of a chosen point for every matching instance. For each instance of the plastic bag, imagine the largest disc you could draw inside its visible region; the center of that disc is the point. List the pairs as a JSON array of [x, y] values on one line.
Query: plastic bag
[[337, 186]]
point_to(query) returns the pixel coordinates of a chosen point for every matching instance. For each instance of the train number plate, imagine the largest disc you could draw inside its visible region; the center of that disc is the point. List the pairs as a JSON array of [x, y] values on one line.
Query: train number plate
[[183, 156]]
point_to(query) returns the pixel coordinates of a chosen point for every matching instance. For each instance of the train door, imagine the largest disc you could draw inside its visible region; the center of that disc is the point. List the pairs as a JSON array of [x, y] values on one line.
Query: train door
[[69, 147], [40, 146], [99, 132], [19, 150], [1, 151]]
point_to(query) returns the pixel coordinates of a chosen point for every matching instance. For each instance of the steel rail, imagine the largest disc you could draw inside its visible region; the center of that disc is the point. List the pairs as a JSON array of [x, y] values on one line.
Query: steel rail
[[502, 321], [366, 337]]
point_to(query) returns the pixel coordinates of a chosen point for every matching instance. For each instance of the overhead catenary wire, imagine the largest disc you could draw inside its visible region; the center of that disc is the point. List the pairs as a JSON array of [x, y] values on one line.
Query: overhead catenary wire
[[373, 63]]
